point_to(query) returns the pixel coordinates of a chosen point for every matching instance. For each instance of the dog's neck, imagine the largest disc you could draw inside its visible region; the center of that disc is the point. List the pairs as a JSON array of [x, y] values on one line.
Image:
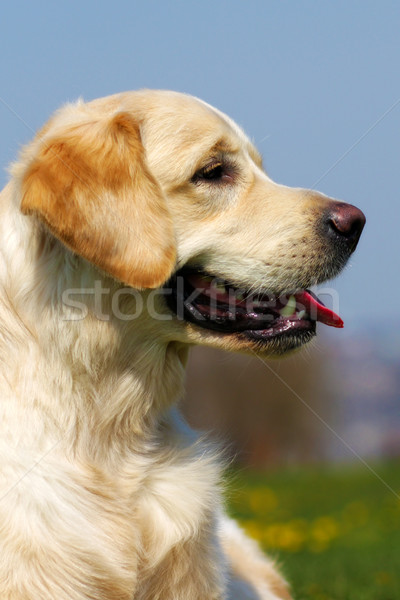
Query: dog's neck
[[76, 368]]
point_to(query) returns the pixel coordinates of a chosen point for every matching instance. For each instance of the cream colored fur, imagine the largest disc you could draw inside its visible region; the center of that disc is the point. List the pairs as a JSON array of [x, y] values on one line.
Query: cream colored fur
[[105, 492]]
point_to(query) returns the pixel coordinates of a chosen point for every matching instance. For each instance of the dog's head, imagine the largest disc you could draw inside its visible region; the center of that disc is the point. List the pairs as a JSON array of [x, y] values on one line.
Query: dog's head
[[162, 191]]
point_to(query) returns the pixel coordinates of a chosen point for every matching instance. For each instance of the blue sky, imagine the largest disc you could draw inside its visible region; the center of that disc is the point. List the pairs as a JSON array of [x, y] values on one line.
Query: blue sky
[[315, 84]]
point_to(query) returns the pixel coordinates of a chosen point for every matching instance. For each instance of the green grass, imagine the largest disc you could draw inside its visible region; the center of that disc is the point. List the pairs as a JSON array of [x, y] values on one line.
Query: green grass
[[335, 531]]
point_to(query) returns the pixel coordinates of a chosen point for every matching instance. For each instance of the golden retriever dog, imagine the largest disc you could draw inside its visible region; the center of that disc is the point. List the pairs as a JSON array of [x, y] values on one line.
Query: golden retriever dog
[[133, 227]]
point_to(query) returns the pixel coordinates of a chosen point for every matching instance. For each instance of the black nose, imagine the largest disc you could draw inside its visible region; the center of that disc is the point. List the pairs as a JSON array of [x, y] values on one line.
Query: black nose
[[344, 224]]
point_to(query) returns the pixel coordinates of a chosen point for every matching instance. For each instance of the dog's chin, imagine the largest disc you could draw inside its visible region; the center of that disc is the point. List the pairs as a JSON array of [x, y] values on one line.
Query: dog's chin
[[272, 347], [220, 314], [278, 344]]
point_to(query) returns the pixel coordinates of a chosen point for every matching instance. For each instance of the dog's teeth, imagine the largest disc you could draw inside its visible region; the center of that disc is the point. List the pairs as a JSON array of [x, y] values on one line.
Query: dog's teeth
[[300, 314], [290, 308]]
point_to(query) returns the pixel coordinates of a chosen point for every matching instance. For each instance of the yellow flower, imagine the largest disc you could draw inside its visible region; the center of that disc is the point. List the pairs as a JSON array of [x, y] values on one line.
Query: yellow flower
[[262, 501], [323, 531], [285, 536], [254, 529]]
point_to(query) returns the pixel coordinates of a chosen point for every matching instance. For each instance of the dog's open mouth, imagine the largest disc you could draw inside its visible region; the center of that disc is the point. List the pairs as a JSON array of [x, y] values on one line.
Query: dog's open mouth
[[215, 304]]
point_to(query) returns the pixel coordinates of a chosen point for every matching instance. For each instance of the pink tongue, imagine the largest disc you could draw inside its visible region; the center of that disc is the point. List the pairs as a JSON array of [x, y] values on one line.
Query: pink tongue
[[318, 312], [305, 300]]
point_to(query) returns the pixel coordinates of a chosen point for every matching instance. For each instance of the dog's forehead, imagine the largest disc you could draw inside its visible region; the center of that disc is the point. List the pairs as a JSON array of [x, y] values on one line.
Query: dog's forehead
[[179, 127], [184, 118]]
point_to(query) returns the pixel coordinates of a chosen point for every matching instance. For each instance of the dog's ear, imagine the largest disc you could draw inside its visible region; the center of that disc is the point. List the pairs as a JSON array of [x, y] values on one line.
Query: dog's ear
[[90, 185]]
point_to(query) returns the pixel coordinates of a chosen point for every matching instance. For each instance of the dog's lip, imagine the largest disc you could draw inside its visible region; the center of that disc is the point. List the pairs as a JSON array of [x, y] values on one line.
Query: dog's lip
[[214, 303]]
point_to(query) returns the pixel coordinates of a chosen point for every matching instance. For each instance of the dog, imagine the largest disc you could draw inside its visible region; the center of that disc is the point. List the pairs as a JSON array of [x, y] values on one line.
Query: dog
[[133, 227]]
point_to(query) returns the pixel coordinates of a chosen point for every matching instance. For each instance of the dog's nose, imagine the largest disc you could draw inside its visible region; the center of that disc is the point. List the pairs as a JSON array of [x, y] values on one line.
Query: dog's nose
[[345, 223]]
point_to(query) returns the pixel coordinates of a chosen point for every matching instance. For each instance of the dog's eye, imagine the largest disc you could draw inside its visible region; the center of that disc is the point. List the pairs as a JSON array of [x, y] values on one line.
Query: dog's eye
[[214, 172]]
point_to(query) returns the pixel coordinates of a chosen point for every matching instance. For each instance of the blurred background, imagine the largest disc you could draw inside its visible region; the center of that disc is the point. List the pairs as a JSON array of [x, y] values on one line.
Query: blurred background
[[316, 86]]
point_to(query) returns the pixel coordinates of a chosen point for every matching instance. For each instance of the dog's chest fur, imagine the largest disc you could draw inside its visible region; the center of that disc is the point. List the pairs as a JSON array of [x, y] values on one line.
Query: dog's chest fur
[[111, 524]]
